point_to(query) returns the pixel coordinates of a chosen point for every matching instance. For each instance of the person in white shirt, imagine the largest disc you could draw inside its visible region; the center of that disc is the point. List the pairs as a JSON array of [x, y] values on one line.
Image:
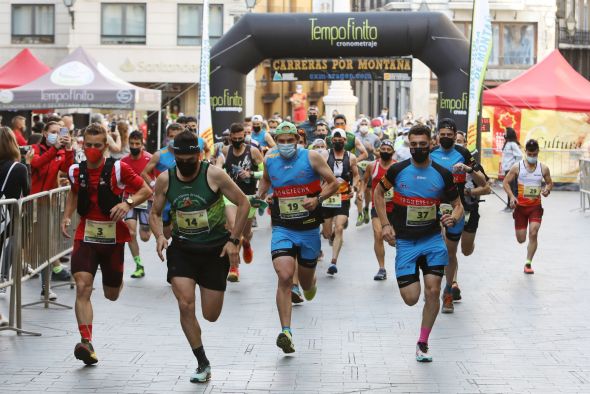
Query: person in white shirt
[[511, 154]]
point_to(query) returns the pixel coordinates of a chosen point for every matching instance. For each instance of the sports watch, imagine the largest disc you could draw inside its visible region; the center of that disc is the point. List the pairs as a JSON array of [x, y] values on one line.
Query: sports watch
[[234, 241]]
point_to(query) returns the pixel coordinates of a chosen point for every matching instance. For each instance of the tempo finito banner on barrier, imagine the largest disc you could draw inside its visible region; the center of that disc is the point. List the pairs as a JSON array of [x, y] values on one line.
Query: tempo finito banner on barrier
[[480, 50], [205, 122]]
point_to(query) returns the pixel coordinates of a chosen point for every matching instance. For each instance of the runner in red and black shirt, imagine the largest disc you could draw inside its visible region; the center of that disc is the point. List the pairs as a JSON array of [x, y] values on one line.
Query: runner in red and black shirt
[[97, 186]]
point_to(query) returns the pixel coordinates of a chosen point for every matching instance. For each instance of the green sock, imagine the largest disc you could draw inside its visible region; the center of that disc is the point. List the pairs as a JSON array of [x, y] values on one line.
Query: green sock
[[137, 260], [58, 269], [528, 262]]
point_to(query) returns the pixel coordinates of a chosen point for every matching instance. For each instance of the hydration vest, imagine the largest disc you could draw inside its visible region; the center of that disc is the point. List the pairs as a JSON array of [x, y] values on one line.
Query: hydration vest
[[106, 198]]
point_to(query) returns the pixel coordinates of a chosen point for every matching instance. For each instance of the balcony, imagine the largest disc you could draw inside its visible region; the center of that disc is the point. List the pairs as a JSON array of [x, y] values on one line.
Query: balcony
[[580, 39]]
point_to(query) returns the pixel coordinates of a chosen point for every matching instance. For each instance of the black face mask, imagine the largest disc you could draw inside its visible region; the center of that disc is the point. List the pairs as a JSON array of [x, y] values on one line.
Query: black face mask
[[256, 129], [446, 142], [187, 168], [420, 155], [313, 119], [135, 151], [237, 144], [386, 155], [338, 146]]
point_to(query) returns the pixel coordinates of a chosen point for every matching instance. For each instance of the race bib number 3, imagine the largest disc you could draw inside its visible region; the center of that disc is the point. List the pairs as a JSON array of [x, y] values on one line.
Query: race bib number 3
[[420, 216], [292, 208], [334, 201], [100, 232], [192, 223], [532, 192]]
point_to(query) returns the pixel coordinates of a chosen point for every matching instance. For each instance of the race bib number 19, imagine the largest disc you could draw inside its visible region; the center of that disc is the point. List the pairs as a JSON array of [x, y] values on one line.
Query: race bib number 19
[[292, 208], [100, 232], [420, 216], [191, 223]]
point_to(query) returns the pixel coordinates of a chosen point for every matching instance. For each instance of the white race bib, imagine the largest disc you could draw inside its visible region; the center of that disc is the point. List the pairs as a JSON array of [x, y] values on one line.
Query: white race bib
[[292, 208], [97, 232], [420, 216], [334, 201], [192, 222]]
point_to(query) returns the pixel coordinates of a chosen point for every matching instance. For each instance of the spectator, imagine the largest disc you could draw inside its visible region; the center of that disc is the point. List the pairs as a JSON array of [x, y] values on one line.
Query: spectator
[[302, 139], [310, 124], [122, 135], [38, 128], [511, 154], [68, 122], [14, 183], [18, 129], [369, 140]]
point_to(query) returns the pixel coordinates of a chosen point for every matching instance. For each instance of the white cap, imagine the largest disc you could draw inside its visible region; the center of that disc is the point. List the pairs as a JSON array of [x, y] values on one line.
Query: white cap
[[257, 118], [338, 132]]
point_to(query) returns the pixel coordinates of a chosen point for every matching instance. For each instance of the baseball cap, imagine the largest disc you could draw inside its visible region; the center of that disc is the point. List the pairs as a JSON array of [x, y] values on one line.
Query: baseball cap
[[257, 118], [388, 143], [337, 132], [290, 128], [447, 123], [376, 122]]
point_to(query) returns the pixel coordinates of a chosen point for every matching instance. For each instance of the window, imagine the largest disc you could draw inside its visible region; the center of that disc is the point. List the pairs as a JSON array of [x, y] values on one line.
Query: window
[[123, 23], [513, 44], [190, 23], [33, 23]]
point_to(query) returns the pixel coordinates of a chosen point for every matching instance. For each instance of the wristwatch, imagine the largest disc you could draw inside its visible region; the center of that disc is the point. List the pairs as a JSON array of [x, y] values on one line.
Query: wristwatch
[[129, 201], [234, 241], [320, 199]]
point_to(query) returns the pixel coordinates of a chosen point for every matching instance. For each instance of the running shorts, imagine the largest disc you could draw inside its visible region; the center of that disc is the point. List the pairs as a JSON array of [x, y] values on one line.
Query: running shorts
[[304, 245], [428, 253], [199, 263], [344, 210], [251, 213], [141, 215], [472, 221], [87, 257], [454, 233], [523, 215]]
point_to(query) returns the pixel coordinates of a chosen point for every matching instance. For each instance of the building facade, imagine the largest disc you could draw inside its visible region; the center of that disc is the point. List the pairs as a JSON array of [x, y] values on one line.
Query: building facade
[[573, 29], [155, 43], [523, 32]]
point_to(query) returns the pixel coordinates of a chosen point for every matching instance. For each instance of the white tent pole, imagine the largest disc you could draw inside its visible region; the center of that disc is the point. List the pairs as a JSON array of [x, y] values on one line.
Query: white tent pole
[[159, 128]]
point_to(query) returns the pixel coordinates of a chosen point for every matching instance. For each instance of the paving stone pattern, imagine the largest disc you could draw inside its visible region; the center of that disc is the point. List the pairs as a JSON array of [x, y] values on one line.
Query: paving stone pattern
[[511, 334]]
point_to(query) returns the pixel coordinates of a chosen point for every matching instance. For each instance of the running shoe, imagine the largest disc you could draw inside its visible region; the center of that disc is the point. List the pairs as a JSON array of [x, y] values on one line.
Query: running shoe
[[310, 294], [456, 292], [528, 269], [422, 354], [234, 275], [296, 297], [63, 275], [52, 295], [381, 274], [85, 352], [139, 272], [332, 269], [360, 220], [366, 216], [247, 252], [201, 375], [285, 342], [447, 306]]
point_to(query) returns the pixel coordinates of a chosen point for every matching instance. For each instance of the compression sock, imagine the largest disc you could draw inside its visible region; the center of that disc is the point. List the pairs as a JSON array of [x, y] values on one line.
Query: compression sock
[[448, 288], [137, 260], [85, 331], [287, 329], [424, 334], [58, 269], [201, 357], [528, 263]]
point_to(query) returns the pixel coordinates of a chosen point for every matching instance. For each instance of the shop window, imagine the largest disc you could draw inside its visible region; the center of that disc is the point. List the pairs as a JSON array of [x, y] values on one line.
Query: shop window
[[33, 23], [123, 23], [190, 23]]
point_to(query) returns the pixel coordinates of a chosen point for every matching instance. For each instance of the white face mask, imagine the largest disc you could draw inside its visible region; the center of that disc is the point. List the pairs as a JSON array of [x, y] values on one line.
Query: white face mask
[[364, 129]]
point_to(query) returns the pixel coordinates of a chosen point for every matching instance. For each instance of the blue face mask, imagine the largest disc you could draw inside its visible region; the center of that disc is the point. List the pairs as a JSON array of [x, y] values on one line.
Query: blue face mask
[[287, 151], [51, 138], [171, 144], [531, 160]]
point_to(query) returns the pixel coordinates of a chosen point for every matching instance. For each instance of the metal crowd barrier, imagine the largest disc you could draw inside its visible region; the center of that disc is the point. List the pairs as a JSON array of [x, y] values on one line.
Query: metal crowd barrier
[[584, 184], [33, 240]]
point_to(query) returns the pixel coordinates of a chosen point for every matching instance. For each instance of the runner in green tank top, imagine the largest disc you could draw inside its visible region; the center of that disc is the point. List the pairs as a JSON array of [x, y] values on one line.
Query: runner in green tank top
[[202, 249]]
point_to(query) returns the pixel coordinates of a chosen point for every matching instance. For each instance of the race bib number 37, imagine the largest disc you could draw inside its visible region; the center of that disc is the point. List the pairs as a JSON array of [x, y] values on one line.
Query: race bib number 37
[[420, 216], [192, 223], [292, 208], [100, 232]]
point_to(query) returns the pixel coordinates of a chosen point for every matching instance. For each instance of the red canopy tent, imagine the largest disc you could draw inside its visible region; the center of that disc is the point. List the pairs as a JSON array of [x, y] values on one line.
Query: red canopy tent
[[550, 84], [21, 69]]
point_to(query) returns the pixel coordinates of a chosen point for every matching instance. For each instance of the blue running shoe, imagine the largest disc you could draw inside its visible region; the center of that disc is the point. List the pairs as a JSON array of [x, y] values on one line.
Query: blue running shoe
[[332, 269]]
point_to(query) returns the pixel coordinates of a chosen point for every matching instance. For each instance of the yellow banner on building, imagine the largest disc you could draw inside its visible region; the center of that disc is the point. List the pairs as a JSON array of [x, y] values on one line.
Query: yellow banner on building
[[564, 138]]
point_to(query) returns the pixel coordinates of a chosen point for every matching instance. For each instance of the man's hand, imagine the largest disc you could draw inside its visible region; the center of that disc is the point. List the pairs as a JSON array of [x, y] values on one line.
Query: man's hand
[[310, 203], [29, 156], [388, 234], [545, 192], [448, 220], [119, 211], [65, 223], [161, 245], [512, 203], [233, 252], [460, 167], [244, 174]]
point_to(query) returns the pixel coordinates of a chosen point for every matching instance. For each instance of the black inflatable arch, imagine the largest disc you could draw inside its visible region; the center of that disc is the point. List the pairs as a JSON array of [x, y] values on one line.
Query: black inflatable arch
[[428, 36]]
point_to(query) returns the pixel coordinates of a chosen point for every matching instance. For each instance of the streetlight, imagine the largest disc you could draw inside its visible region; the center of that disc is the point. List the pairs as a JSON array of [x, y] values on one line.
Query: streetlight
[[69, 4], [570, 24], [249, 4]]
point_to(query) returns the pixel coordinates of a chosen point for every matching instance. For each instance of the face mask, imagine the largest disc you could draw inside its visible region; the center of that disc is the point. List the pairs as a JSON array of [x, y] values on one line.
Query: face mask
[[531, 160], [338, 146], [386, 156], [364, 129], [171, 144], [459, 144], [51, 138], [287, 151], [187, 168], [93, 154], [135, 151], [256, 129], [237, 144], [446, 142], [420, 155], [313, 118]]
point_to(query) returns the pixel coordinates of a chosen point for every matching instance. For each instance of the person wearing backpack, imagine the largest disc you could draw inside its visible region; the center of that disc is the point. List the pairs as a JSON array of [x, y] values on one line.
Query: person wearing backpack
[[14, 183]]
